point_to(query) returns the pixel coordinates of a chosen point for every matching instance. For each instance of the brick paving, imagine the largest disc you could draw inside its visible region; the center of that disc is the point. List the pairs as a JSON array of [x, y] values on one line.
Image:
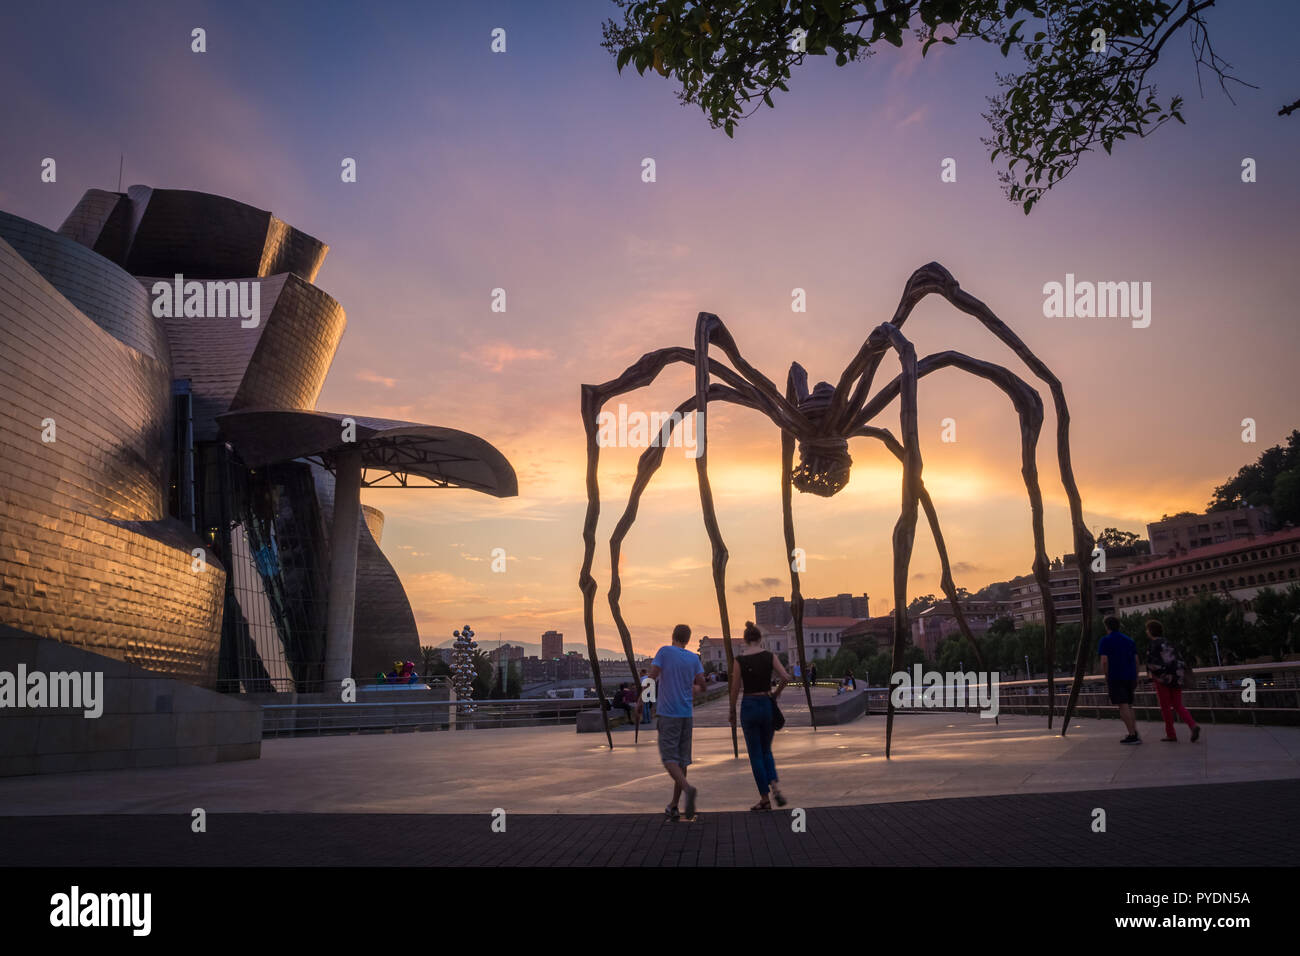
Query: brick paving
[[1230, 824]]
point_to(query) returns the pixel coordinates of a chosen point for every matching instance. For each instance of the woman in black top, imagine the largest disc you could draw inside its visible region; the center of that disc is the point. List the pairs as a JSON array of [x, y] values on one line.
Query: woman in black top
[[753, 671]]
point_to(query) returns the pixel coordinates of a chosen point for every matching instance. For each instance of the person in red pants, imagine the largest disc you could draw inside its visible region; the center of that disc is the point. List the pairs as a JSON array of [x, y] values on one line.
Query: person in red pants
[[1166, 671]]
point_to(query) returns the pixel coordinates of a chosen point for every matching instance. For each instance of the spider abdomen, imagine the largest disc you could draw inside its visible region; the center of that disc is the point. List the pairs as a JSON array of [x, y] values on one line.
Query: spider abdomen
[[823, 467]]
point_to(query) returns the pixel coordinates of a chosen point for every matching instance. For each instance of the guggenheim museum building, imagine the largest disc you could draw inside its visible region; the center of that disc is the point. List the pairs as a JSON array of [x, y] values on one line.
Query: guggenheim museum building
[[170, 496]]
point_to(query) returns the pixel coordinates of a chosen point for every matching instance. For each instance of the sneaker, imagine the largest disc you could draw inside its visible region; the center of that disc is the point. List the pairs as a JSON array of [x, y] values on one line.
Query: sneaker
[[1196, 733], [672, 814], [1132, 739]]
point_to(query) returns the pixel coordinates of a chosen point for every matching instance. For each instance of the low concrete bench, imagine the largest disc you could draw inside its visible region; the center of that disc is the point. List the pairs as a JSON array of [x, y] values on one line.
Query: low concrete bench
[[589, 721], [841, 709]]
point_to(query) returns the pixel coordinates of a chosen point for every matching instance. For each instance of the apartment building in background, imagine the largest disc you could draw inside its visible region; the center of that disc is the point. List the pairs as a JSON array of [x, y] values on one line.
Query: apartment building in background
[[936, 624], [1026, 603], [552, 645], [776, 612], [1237, 569], [1189, 531]]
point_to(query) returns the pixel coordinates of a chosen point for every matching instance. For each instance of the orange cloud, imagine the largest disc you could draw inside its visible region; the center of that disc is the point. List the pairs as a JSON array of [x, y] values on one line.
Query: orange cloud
[[495, 356], [368, 376]]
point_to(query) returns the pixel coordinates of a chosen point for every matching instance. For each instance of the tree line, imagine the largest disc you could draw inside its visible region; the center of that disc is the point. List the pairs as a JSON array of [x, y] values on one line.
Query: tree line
[[1192, 624]]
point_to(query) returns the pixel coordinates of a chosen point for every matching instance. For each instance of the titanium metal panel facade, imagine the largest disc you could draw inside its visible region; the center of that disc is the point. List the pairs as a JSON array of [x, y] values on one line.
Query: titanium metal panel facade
[[87, 555], [177, 434], [279, 363], [374, 519], [101, 221], [165, 231], [106, 294], [293, 356], [383, 628]]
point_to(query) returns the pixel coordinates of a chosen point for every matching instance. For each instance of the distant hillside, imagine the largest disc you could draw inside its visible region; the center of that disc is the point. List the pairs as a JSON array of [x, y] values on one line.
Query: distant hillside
[[998, 591]]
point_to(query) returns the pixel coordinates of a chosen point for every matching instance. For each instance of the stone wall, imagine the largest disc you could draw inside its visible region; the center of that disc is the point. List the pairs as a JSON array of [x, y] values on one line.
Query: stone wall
[[146, 720]]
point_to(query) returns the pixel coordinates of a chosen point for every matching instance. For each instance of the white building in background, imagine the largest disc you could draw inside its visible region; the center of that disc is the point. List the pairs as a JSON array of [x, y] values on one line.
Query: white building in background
[[1187, 531], [713, 653], [821, 637]]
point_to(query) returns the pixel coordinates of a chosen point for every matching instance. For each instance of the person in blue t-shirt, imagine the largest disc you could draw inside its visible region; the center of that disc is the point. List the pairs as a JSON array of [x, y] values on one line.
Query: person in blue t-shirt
[[1119, 662], [676, 673]]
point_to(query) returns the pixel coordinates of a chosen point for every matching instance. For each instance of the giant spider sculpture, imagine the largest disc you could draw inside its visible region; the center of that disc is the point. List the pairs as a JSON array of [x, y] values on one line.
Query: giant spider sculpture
[[821, 422]]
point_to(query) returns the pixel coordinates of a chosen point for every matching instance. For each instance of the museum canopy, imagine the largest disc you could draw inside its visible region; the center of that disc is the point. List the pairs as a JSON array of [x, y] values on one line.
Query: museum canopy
[[398, 452]]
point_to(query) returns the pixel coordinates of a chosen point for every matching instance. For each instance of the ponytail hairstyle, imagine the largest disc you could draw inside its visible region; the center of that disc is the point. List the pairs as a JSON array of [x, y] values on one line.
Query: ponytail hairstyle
[[752, 634]]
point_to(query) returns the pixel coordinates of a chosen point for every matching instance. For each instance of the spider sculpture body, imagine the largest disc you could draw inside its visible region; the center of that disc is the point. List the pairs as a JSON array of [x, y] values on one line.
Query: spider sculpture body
[[820, 422]]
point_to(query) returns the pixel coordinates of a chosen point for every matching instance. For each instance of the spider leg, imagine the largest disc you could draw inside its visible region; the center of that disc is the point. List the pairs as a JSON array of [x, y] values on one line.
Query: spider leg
[[868, 359], [649, 463], [886, 336], [934, 278], [796, 384], [709, 329], [1029, 406], [706, 327], [640, 373], [1083, 540], [796, 388], [932, 516]]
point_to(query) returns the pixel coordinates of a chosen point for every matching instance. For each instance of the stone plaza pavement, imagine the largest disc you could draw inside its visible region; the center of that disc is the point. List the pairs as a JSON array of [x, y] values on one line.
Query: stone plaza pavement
[[540, 770], [1214, 826]]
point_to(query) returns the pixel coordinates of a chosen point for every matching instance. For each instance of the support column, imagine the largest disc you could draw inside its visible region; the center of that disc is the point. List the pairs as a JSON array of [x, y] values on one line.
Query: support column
[[343, 569]]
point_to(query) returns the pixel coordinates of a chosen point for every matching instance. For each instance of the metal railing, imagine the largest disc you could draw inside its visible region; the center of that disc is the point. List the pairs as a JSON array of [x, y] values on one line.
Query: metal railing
[[384, 716], [289, 685], [1214, 695], [397, 715]]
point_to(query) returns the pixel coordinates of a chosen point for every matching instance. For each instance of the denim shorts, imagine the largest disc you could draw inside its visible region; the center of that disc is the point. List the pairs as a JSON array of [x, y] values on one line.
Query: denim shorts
[[675, 740]]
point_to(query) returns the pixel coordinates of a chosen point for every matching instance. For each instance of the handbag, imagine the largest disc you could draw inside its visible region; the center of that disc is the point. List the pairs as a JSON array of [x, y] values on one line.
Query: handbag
[[778, 718]]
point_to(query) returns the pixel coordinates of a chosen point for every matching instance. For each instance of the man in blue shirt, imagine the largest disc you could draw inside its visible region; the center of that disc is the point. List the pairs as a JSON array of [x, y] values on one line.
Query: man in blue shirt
[[1119, 662], [677, 672]]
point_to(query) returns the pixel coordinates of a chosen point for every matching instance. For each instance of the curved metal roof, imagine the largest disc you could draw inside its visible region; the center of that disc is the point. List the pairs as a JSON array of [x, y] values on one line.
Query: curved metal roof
[[395, 450], [106, 294], [160, 232]]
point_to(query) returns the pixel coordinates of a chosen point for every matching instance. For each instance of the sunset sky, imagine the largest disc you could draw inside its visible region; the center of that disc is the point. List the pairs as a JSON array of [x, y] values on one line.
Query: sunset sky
[[523, 171]]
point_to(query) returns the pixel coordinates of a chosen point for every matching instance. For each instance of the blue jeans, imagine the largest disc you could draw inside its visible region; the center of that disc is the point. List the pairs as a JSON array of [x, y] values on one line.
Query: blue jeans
[[756, 722]]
